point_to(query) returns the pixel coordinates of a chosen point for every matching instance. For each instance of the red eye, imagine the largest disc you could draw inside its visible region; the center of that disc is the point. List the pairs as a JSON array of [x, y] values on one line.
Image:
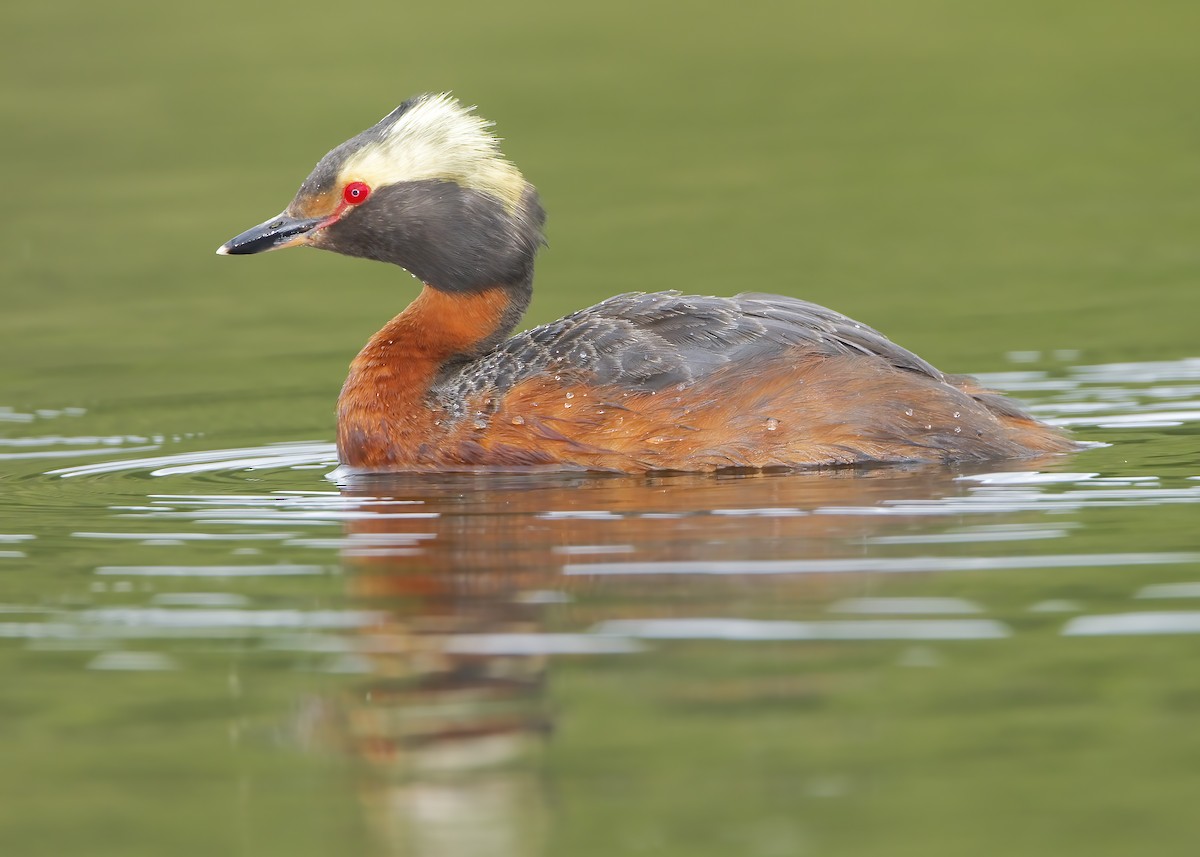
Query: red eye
[[356, 193]]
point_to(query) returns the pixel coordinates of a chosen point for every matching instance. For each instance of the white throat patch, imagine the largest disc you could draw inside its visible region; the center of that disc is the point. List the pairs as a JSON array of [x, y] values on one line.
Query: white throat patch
[[437, 138]]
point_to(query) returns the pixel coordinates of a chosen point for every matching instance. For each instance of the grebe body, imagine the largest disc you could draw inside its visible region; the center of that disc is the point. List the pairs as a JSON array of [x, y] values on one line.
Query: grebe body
[[636, 383]]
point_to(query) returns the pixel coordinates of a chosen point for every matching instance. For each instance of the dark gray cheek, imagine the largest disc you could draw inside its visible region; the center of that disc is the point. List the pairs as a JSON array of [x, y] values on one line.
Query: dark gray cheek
[[351, 236]]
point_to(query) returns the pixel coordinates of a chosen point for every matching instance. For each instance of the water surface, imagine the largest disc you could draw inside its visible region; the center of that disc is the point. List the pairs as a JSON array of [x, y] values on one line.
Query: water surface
[[256, 652]]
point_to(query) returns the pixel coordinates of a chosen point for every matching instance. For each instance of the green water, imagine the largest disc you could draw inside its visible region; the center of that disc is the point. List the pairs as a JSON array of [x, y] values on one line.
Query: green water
[[212, 651]]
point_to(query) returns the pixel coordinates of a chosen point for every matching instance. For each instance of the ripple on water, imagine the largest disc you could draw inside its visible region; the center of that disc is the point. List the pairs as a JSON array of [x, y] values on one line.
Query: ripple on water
[[8, 540], [881, 565], [1102, 396], [907, 605], [31, 448], [1111, 396], [581, 529], [1134, 624], [268, 457], [757, 630], [211, 571]]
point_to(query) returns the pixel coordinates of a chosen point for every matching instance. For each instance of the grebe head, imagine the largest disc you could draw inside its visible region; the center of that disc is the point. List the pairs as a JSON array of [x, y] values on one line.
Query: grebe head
[[426, 188]]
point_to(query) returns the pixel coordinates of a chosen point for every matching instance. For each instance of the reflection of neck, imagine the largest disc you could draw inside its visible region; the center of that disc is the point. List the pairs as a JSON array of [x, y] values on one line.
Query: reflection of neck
[[449, 729], [382, 414]]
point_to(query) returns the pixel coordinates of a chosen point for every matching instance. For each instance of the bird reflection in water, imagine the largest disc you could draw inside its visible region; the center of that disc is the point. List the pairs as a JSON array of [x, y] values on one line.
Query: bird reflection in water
[[466, 573]]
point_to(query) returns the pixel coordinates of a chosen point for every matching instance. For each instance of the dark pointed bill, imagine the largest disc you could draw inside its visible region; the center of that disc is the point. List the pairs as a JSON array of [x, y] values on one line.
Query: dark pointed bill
[[276, 233]]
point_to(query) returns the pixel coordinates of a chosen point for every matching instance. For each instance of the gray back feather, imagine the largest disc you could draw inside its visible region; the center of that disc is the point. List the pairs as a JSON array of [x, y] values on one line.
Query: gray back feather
[[648, 342]]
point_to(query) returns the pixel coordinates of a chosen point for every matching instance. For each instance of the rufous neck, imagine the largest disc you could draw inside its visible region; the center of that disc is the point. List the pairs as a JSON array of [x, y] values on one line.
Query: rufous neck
[[383, 413], [402, 360], [440, 326]]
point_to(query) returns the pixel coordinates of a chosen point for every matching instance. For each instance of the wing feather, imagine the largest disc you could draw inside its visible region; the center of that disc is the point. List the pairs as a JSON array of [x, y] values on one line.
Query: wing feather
[[649, 342]]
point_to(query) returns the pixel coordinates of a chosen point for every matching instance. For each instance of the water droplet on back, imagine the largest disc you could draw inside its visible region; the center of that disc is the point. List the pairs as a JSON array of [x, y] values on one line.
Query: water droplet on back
[[772, 424]]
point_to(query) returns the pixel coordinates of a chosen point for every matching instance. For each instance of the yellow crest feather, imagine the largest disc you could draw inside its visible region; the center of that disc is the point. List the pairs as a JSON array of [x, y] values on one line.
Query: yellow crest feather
[[438, 138]]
